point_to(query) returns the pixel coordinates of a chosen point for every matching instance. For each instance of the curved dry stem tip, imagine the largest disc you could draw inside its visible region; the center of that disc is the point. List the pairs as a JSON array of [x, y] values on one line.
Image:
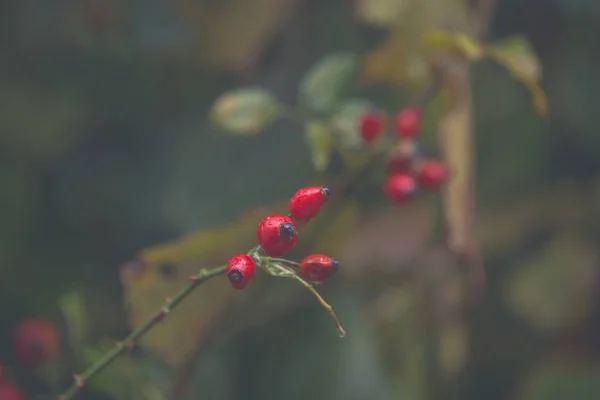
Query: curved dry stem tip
[[340, 330], [79, 381]]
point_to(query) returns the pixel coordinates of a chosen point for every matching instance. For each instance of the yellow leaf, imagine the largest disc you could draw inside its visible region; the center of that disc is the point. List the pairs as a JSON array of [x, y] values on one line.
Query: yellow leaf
[[320, 144], [245, 111], [382, 13], [518, 56], [458, 42]]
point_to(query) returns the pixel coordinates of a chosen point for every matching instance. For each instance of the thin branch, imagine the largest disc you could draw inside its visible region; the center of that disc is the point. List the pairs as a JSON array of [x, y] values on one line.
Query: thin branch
[[79, 380]]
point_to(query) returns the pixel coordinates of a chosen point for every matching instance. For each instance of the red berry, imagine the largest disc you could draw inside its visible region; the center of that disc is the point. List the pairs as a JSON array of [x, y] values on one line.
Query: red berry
[[408, 122], [307, 202], [400, 187], [277, 234], [240, 270], [9, 391], [36, 342], [371, 126], [402, 157], [431, 174], [317, 268]]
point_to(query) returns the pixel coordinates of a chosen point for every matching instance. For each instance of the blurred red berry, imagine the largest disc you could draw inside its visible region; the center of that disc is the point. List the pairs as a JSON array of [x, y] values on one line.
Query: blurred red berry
[[402, 156], [277, 234], [36, 342], [408, 122], [307, 202], [431, 174], [317, 268], [371, 126], [240, 270], [400, 187], [9, 391]]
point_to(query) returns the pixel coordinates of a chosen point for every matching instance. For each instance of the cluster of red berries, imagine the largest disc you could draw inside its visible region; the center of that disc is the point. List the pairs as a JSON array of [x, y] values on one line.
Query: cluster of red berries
[[407, 171], [278, 234], [36, 342]]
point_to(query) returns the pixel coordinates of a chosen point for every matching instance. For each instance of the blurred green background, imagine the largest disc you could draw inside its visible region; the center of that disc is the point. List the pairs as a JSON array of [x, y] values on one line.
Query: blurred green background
[[106, 149]]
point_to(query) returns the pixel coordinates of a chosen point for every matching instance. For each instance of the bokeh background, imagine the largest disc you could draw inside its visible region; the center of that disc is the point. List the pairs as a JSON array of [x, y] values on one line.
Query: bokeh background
[[106, 149]]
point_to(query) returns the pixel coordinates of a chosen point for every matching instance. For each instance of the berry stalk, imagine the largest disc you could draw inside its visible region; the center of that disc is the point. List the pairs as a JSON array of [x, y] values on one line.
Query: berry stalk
[[79, 380]]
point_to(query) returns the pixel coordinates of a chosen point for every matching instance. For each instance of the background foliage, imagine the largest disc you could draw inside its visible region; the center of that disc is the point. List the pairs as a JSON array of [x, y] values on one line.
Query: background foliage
[[107, 148]]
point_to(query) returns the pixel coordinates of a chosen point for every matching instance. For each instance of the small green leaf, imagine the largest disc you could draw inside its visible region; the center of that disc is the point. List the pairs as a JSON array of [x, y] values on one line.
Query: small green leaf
[[244, 111], [73, 309], [346, 122], [459, 42], [320, 144], [325, 82]]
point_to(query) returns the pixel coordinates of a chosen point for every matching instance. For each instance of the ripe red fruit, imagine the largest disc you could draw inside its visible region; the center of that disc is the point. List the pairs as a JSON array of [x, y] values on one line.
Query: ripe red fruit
[[277, 234], [400, 187], [9, 391], [317, 268], [371, 125], [36, 342], [402, 157], [307, 202], [431, 174], [240, 270], [408, 122]]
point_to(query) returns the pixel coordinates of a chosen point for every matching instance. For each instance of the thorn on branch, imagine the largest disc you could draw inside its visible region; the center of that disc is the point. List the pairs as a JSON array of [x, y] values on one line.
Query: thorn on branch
[[79, 381], [194, 278]]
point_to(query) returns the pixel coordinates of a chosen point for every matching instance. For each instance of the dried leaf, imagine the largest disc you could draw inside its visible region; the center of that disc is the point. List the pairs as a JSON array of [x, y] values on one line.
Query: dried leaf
[[518, 56], [320, 144], [244, 111], [324, 84]]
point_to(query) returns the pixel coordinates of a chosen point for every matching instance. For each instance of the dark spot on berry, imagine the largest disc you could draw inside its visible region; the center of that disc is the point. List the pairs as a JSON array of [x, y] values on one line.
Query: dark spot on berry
[[335, 264], [168, 271], [235, 276], [325, 192], [287, 231]]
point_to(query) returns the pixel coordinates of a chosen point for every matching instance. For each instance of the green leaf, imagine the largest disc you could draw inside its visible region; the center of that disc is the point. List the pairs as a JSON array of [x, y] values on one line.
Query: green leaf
[[324, 84], [346, 122], [244, 111], [320, 144], [73, 309], [518, 56]]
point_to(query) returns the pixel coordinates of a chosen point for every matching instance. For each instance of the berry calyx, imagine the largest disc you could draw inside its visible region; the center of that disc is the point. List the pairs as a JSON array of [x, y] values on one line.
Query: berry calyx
[[400, 187], [240, 270], [431, 174], [408, 122], [9, 391], [402, 157], [277, 234], [307, 202], [36, 342], [317, 268], [371, 125]]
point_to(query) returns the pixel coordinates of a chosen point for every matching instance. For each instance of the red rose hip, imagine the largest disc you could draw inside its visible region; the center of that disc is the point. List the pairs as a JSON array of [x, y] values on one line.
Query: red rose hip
[[240, 270], [317, 268], [408, 122], [371, 125], [402, 156], [400, 187], [307, 203], [36, 342], [277, 234], [432, 174], [9, 391]]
